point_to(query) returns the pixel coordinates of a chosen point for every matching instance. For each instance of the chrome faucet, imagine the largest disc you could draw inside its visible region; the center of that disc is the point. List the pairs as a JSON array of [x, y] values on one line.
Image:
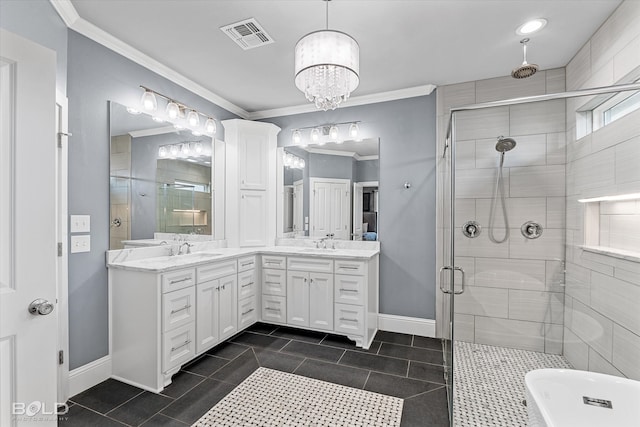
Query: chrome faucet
[[188, 248]]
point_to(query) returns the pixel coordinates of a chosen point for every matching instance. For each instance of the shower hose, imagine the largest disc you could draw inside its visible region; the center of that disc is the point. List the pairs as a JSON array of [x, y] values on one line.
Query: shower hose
[[494, 201]]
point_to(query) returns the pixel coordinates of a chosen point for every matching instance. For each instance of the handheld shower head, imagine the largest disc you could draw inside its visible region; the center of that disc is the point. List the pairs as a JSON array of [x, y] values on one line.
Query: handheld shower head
[[526, 69], [505, 144]]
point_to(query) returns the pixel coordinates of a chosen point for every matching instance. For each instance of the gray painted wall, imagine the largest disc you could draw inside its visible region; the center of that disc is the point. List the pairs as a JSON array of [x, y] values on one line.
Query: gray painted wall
[[326, 166], [38, 21], [368, 170], [97, 75], [407, 132]]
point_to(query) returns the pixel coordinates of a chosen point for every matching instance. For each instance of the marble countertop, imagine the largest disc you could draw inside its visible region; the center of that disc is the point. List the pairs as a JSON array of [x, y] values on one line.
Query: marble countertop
[[158, 260]]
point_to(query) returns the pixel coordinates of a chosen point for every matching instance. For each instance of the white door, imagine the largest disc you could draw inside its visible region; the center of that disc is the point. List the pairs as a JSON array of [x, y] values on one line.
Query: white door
[[320, 207], [298, 213], [28, 342], [357, 210], [298, 298], [321, 301], [207, 324], [228, 306], [340, 210]]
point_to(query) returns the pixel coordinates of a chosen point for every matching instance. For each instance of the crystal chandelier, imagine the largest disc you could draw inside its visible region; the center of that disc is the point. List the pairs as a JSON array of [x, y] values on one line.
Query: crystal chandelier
[[327, 64]]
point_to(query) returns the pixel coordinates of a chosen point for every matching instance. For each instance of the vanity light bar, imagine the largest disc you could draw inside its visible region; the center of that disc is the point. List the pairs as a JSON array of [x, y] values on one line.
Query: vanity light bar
[[176, 111], [332, 130], [632, 196]]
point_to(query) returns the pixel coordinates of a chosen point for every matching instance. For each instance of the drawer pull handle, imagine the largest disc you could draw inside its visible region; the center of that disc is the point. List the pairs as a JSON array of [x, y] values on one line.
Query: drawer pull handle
[[187, 342], [248, 284], [272, 283], [346, 319], [246, 263], [349, 290], [346, 267], [247, 312], [173, 282], [272, 309], [180, 309]]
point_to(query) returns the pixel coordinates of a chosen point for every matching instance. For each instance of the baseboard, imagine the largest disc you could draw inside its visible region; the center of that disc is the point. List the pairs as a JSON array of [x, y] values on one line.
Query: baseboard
[[407, 325], [86, 376]]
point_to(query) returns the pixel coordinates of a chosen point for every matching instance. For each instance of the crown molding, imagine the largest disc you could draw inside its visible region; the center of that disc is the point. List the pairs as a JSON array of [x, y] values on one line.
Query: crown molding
[[71, 18], [374, 98]]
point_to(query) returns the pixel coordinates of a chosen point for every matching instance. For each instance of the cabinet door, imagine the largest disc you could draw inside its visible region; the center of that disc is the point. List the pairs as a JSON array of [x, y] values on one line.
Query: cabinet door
[[253, 218], [274, 309], [253, 155], [247, 312], [274, 282], [178, 308], [298, 298], [321, 301], [207, 296], [228, 306]]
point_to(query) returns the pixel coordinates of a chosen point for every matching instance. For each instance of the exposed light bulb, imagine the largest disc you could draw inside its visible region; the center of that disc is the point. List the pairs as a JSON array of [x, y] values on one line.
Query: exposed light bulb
[[333, 133], [185, 150], [315, 135], [193, 118], [296, 137], [149, 102], [210, 126], [133, 111], [174, 150], [173, 111], [162, 152], [157, 119], [196, 133], [354, 129], [296, 163], [198, 147], [302, 163]]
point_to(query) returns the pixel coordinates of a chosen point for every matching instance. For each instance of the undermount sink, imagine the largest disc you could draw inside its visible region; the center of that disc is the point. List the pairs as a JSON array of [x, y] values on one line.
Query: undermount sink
[[317, 250]]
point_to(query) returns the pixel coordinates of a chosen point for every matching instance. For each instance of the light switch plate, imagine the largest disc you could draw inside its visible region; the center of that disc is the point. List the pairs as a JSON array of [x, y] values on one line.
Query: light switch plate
[[80, 223], [80, 244]]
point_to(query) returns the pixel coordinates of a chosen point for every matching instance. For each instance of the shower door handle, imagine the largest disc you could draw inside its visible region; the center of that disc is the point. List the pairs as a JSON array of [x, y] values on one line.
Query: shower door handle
[[454, 268]]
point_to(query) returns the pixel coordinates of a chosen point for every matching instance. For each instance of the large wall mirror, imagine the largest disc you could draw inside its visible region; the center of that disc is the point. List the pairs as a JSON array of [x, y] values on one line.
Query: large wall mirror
[[330, 190], [161, 179]]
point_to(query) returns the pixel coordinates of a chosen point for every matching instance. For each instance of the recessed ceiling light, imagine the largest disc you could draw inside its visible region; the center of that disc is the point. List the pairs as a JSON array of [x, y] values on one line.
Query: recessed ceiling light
[[532, 26]]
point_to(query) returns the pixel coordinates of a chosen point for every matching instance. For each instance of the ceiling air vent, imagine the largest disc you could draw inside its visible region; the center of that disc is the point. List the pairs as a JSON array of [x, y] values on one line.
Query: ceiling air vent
[[247, 34]]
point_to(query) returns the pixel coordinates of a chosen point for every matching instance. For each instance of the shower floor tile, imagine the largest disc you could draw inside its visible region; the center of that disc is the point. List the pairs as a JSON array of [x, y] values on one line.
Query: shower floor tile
[[489, 383]]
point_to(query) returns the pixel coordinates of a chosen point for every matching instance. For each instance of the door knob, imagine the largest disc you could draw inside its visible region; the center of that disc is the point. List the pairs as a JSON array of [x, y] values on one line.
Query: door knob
[[41, 307]]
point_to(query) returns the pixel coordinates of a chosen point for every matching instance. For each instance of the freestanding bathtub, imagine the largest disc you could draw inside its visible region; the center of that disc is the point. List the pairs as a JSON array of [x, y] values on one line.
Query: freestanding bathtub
[[571, 398]]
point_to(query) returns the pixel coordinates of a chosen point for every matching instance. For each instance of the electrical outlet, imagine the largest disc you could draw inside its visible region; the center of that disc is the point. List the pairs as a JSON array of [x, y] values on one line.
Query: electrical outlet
[[80, 244], [80, 223]]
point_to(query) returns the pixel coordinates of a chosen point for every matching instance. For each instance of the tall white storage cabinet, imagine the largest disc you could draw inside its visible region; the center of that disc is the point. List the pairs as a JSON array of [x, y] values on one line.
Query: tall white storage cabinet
[[250, 183]]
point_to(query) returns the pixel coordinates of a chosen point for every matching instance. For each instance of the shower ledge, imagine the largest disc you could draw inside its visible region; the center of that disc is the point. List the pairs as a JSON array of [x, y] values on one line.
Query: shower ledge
[[612, 252]]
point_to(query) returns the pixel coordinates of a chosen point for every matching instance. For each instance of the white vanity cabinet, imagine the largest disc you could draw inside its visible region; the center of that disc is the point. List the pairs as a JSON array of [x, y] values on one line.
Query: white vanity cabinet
[[274, 288], [310, 293]]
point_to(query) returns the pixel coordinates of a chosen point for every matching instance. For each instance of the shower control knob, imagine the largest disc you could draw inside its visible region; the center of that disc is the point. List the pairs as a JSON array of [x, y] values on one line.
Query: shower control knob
[[471, 229], [531, 230]]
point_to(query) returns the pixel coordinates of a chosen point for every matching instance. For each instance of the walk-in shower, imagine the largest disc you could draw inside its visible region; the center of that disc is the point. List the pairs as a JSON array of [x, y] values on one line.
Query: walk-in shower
[[502, 146], [502, 301]]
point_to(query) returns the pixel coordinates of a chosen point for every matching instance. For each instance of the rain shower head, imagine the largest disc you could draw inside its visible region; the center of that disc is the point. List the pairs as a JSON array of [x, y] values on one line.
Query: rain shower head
[[505, 144], [526, 69]]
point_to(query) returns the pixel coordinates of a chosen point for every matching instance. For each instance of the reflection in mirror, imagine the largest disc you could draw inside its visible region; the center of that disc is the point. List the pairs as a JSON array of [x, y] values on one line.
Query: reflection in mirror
[[160, 179], [331, 190]]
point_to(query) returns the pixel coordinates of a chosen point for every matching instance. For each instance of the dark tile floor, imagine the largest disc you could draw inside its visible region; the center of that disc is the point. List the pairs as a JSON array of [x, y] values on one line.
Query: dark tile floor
[[405, 366]]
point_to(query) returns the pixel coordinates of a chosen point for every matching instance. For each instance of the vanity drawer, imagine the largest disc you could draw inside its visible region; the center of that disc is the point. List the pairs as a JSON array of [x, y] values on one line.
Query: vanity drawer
[[217, 270], [246, 263], [247, 312], [274, 282], [178, 346], [349, 319], [274, 261], [349, 289], [274, 309], [316, 265], [246, 284], [178, 308], [174, 280], [350, 267]]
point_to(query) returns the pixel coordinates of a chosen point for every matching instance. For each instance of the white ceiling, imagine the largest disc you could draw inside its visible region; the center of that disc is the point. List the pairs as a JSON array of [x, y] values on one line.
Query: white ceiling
[[403, 43]]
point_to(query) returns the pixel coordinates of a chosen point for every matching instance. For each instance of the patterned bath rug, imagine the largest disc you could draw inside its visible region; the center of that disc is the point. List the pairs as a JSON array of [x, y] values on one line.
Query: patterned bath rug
[[270, 398]]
